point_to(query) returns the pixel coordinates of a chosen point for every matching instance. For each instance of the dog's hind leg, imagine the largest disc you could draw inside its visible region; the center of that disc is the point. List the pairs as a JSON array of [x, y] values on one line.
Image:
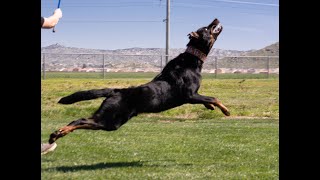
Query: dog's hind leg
[[78, 124], [209, 103]]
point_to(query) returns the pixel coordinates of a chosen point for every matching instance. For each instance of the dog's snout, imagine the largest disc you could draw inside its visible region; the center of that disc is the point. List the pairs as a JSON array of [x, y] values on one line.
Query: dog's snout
[[215, 22], [215, 26]]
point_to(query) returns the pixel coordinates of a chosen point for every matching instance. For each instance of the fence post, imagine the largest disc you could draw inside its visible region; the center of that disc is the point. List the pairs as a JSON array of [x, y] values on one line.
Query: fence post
[[44, 66], [268, 66], [216, 67], [103, 71]]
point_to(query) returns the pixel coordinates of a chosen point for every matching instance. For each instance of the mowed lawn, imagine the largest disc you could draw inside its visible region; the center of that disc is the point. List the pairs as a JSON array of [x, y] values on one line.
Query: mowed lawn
[[187, 142]]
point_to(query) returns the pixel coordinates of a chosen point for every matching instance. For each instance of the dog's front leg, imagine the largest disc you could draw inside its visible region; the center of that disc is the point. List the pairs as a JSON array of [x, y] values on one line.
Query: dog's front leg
[[78, 124], [208, 102]]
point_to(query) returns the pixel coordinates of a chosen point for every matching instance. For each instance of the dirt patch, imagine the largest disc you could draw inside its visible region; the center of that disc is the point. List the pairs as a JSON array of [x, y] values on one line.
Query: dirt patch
[[246, 117]]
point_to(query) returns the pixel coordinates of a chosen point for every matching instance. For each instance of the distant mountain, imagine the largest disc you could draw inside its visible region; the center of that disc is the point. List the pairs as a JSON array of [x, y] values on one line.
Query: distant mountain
[[62, 58], [262, 61], [57, 48], [271, 50]]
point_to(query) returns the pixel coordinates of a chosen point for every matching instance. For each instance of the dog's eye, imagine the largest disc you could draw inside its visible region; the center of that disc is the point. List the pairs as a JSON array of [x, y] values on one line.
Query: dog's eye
[[205, 29]]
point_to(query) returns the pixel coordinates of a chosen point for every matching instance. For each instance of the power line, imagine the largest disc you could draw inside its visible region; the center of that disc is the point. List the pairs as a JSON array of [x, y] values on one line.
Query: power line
[[251, 10], [221, 3], [148, 3], [175, 5], [235, 2], [105, 4], [113, 21], [90, 2], [252, 3]]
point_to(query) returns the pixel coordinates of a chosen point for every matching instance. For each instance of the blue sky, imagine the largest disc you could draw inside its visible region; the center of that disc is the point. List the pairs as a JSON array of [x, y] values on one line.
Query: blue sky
[[120, 24]]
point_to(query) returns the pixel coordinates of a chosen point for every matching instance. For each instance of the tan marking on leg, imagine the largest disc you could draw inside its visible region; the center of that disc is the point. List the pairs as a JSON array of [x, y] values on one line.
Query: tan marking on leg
[[224, 109]]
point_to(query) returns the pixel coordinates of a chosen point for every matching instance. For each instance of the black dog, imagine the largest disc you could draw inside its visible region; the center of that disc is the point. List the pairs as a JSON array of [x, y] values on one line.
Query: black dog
[[177, 84]]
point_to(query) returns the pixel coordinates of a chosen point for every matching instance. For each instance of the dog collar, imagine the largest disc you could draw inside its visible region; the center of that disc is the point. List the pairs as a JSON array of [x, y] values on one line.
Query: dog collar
[[196, 52]]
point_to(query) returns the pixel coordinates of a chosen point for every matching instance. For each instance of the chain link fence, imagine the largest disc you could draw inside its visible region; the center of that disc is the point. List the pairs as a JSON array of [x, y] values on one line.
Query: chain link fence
[[54, 65]]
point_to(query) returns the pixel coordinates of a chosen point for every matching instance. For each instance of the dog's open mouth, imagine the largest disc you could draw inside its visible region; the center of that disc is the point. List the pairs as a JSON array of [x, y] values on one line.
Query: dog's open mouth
[[217, 29]]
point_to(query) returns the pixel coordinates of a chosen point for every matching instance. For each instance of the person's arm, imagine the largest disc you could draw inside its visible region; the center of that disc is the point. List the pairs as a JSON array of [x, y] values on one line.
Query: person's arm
[[50, 22]]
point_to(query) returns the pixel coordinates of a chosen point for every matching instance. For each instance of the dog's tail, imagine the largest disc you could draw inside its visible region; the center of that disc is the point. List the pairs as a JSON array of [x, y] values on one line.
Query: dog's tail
[[86, 95]]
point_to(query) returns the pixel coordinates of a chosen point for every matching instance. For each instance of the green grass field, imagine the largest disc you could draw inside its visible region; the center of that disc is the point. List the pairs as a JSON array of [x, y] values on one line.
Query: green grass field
[[187, 142]]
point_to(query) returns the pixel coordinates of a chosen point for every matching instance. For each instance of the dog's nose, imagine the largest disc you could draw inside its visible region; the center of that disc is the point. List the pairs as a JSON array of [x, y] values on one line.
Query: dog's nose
[[215, 22]]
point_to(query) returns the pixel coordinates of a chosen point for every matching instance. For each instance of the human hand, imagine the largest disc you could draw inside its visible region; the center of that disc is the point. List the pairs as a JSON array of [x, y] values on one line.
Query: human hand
[[58, 13]]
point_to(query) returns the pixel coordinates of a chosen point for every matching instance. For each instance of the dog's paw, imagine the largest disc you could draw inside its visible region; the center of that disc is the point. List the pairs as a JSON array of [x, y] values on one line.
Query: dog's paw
[[209, 106], [54, 136], [226, 112]]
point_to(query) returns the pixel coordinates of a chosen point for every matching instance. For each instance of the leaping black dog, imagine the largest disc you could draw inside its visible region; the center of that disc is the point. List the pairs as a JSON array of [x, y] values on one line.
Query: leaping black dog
[[177, 84]]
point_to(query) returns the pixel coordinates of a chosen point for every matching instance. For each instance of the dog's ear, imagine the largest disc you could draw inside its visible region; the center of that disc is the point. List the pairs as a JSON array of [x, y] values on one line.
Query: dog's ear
[[193, 35]]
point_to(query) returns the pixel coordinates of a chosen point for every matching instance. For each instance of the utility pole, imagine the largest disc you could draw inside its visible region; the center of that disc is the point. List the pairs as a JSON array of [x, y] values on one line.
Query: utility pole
[[167, 30]]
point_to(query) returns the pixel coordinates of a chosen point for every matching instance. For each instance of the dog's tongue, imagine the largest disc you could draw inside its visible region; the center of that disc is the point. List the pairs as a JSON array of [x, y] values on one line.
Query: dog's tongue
[[217, 29]]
